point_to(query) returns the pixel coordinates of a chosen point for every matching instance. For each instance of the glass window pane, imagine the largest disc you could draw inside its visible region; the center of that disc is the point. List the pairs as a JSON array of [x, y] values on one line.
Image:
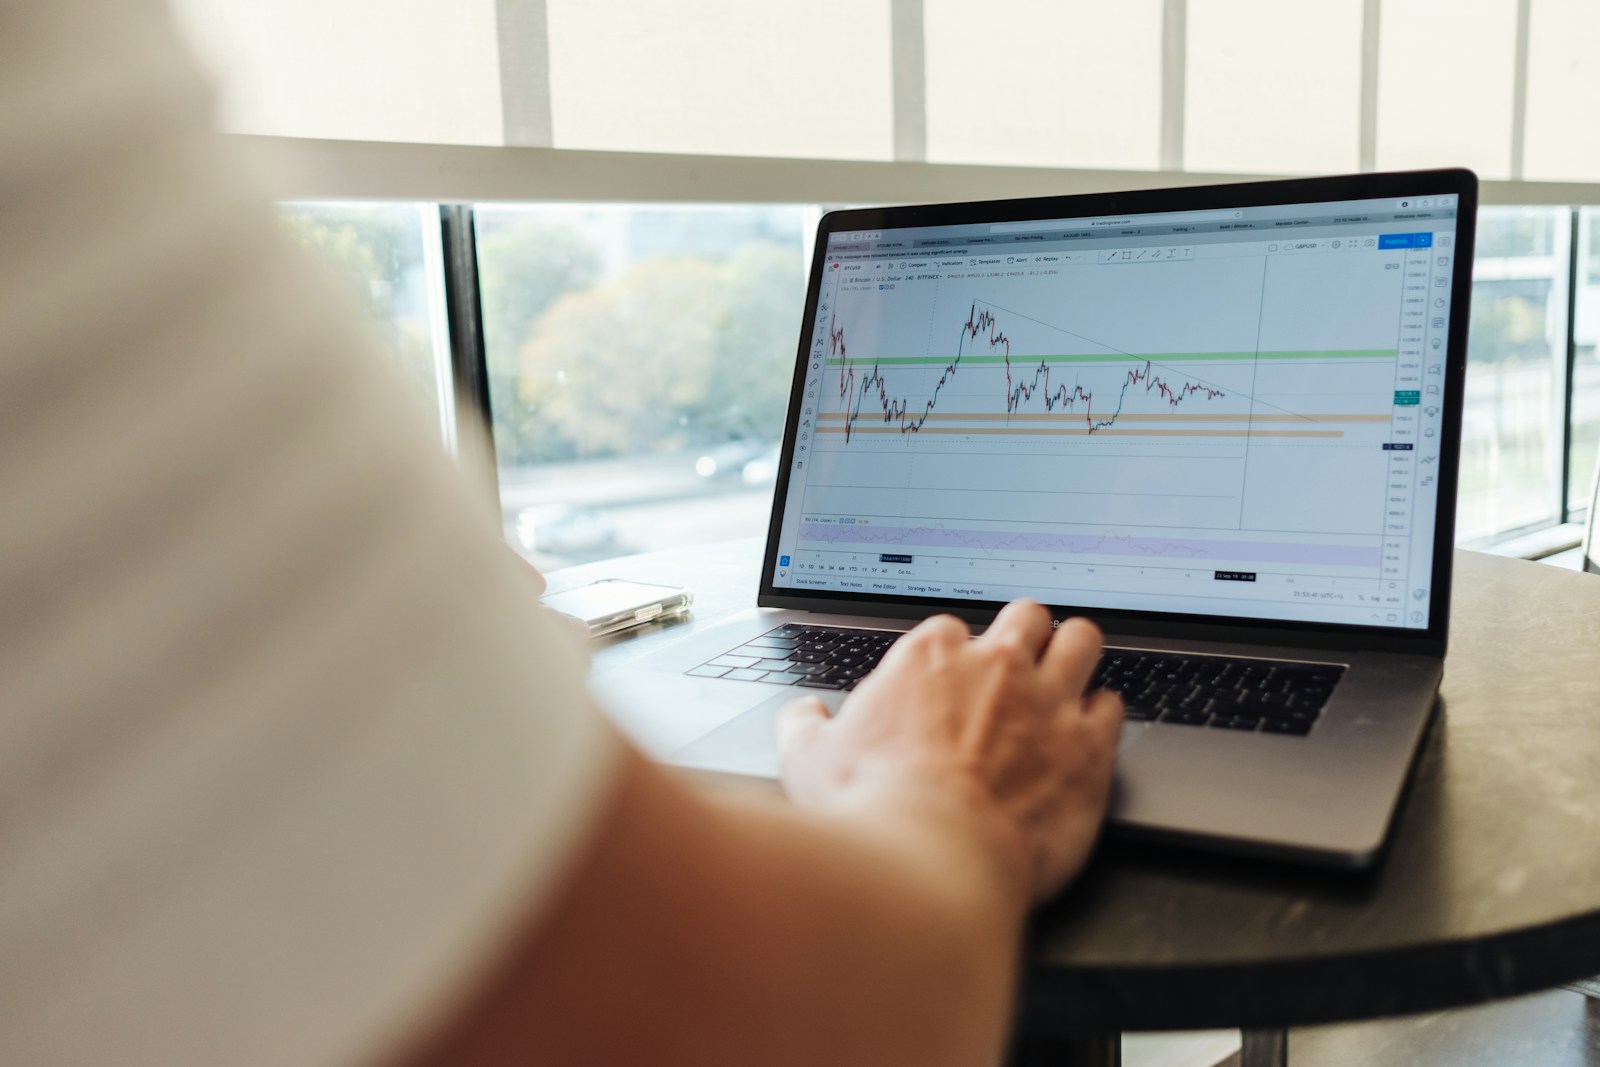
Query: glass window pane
[[1050, 106], [1563, 83], [722, 77], [1446, 114], [1273, 88], [1586, 370], [387, 256], [1510, 425], [376, 70], [639, 364]]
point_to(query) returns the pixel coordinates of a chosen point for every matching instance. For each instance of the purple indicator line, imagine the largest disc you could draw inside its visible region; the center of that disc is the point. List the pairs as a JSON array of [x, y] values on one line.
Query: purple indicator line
[[1094, 544]]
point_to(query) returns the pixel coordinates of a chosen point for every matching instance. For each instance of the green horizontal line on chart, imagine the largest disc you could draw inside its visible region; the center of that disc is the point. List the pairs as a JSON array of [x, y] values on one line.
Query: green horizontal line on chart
[[1114, 357]]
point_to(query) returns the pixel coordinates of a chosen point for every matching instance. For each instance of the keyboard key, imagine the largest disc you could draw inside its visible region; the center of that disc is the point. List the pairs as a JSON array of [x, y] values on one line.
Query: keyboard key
[[708, 671], [781, 678], [770, 664], [822, 683], [745, 674], [1185, 718], [1235, 722], [1141, 712], [732, 661], [807, 668], [762, 645]]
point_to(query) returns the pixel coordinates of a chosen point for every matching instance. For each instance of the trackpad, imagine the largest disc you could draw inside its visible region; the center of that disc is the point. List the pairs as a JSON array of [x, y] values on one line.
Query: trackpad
[[748, 743]]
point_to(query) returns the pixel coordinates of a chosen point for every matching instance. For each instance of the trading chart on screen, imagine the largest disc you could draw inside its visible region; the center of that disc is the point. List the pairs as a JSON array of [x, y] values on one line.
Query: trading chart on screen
[[1216, 412]]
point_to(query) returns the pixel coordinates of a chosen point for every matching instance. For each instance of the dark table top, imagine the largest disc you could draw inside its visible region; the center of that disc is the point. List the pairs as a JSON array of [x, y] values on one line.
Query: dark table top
[[1490, 886]]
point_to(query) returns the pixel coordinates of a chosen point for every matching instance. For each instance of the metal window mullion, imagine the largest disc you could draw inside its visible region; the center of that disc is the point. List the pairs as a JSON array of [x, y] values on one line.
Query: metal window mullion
[[1574, 230], [464, 310], [433, 259]]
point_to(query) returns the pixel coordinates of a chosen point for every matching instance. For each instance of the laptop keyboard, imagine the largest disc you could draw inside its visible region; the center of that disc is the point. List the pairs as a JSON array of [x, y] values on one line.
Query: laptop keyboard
[[815, 657], [1224, 692]]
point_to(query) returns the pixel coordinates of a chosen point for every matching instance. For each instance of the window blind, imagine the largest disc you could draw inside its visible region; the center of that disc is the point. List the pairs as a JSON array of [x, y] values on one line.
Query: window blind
[[1228, 86]]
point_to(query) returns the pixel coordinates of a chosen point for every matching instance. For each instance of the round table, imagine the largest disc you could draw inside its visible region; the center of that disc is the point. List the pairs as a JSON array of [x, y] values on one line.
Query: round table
[[1490, 885]]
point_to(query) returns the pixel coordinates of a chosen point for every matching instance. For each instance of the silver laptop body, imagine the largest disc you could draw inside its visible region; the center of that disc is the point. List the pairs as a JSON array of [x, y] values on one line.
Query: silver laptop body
[[1218, 421]]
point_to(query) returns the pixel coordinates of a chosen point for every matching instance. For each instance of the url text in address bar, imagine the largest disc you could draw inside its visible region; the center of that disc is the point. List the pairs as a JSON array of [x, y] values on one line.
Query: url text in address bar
[[1130, 220]]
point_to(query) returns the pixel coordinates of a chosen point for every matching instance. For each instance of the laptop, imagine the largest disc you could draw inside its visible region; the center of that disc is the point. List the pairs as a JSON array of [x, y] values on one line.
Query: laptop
[[1222, 422]]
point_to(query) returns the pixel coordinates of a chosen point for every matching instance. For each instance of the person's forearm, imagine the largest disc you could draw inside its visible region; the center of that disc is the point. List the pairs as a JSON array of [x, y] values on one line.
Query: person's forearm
[[705, 931]]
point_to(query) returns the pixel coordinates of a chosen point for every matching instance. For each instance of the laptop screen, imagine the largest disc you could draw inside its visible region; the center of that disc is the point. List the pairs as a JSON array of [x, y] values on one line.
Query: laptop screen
[[1232, 412]]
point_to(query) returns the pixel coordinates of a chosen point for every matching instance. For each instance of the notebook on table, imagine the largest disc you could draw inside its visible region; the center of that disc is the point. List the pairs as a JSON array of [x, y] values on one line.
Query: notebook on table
[[1222, 422]]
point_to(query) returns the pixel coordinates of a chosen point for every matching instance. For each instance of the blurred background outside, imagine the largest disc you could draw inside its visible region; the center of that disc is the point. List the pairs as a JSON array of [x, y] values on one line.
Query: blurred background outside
[[639, 359]]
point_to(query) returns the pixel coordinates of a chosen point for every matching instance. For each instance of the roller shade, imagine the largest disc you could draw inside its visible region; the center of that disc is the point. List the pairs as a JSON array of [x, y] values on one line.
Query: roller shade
[[1229, 86]]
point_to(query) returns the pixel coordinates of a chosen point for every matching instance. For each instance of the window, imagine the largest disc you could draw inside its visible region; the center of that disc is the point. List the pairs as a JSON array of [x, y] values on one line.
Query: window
[[639, 359], [1511, 422], [1479, 81], [1585, 453], [1563, 76], [1294, 69], [378, 70], [1049, 108], [770, 105], [720, 76], [388, 258]]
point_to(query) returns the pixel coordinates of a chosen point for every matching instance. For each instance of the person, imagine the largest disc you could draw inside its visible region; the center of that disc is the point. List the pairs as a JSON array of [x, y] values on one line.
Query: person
[[293, 767]]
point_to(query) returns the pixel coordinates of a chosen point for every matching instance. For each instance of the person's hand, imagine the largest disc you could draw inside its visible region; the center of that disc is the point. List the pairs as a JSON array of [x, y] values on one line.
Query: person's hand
[[1000, 723]]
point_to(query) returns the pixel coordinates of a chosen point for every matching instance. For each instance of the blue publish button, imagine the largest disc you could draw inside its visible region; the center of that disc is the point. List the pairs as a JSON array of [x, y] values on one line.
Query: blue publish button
[[1405, 240]]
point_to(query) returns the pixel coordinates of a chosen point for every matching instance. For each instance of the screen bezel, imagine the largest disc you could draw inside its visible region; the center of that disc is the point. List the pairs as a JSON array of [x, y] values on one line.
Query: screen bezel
[[1430, 641]]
